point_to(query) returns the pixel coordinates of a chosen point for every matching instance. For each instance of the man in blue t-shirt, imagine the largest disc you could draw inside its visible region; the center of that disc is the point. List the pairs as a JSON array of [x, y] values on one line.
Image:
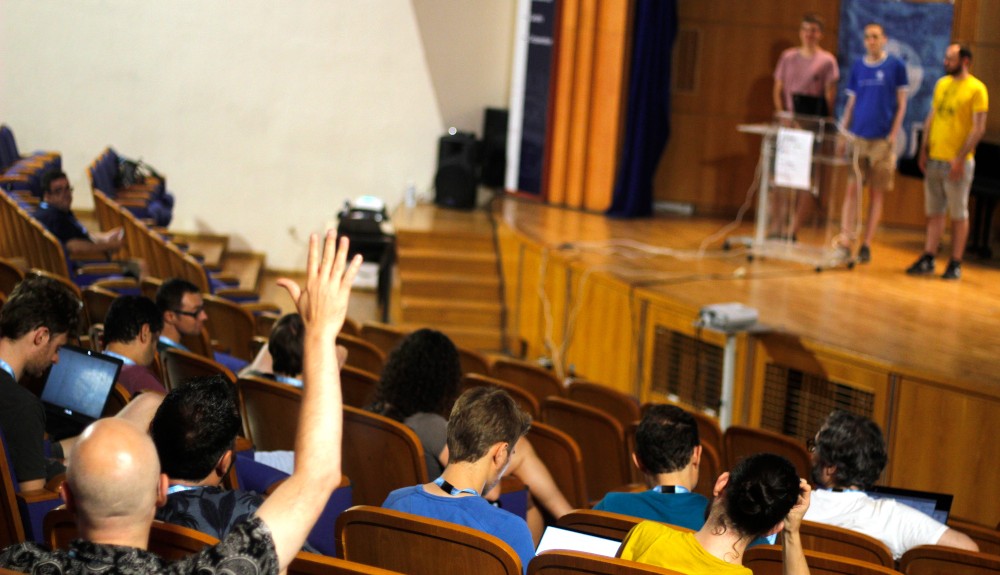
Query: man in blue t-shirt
[[668, 453], [876, 103], [483, 428]]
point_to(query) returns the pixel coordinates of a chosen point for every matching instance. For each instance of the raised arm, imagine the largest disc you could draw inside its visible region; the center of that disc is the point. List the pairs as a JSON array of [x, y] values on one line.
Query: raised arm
[[293, 508], [794, 559]]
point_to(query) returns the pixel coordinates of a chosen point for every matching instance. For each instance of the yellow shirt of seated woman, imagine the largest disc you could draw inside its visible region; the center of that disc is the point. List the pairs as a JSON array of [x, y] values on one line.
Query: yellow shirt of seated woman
[[656, 544]]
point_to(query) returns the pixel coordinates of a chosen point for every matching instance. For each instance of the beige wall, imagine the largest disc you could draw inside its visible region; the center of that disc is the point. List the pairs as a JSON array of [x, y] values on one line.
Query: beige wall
[[264, 115]]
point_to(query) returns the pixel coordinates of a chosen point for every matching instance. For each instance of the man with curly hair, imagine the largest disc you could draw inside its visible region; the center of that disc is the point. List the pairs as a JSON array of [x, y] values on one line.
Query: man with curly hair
[[848, 456]]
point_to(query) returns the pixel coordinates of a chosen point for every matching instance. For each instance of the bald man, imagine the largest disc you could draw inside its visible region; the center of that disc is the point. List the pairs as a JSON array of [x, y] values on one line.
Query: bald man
[[113, 475]]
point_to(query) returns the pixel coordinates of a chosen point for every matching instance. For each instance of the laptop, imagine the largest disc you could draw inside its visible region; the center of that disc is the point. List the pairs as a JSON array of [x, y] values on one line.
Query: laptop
[[569, 540], [805, 105], [76, 390], [937, 505]]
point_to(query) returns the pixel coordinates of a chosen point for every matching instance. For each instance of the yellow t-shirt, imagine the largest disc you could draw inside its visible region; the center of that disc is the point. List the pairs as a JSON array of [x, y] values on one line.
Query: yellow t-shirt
[[954, 104], [656, 544]]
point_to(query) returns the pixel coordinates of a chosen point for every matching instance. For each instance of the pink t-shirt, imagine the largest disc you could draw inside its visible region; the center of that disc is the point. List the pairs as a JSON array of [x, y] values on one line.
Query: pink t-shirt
[[801, 75]]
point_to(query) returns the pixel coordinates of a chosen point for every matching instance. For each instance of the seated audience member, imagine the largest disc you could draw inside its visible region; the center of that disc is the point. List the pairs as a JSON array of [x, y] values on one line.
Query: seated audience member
[[668, 454], [39, 316], [848, 456], [484, 427], [114, 482], [54, 213], [761, 496], [418, 386], [194, 431], [131, 331], [183, 311], [281, 360]]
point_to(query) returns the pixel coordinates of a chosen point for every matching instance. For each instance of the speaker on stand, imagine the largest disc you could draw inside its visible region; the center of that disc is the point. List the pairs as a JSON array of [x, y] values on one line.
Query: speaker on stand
[[457, 177]]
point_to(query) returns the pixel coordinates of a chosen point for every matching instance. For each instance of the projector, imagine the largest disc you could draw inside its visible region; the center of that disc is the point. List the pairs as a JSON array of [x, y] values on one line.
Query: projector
[[727, 316]]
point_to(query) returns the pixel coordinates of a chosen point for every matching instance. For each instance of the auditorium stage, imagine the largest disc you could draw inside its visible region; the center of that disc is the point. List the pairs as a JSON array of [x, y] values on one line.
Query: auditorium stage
[[924, 325], [919, 355]]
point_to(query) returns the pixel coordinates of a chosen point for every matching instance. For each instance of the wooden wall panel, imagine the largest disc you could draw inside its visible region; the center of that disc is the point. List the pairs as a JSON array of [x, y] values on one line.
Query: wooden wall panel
[[602, 345], [943, 440]]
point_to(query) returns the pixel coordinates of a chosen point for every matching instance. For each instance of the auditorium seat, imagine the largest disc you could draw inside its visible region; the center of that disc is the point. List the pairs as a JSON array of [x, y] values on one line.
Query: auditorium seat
[[987, 538], [421, 546], [358, 386], [524, 399], [600, 523], [179, 365], [538, 381], [624, 407], [382, 335], [270, 412], [306, 563], [742, 441], [10, 276], [230, 326], [21, 513], [473, 362], [845, 542], [937, 559], [560, 562], [600, 438], [565, 462], [96, 302], [767, 560], [380, 455], [361, 354], [117, 400]]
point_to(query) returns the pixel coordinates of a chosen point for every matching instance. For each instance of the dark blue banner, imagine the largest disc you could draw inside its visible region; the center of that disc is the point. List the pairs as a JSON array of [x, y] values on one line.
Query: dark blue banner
[[537, 90]]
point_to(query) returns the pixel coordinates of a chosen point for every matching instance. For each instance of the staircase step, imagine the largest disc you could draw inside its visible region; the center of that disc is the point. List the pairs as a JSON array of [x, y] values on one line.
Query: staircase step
[[449, 262], [413, 284], [446, 241], [485, 339], [431, 311]]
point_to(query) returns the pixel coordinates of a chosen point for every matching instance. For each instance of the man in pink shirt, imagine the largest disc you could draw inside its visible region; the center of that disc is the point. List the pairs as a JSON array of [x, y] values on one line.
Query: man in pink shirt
[[806, 69]]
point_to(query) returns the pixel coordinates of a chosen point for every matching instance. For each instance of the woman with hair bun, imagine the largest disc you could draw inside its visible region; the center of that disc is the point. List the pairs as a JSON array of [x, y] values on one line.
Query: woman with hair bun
[[761, 496]]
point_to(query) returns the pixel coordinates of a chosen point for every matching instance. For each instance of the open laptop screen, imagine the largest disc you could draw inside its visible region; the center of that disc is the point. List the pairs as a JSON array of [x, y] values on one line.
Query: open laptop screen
[[79, 384], [937, 505], [566, 539]]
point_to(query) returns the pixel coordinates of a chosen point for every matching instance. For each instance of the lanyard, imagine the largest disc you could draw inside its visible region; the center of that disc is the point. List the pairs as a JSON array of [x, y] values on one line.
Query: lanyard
[[451, 489], [178, 488], [171, 343], [6, 367], [671, 489]]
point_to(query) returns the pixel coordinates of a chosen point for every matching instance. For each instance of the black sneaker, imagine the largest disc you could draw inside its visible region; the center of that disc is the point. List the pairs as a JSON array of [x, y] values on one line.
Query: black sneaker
[[953, 271], [864, 254], [923, 266]]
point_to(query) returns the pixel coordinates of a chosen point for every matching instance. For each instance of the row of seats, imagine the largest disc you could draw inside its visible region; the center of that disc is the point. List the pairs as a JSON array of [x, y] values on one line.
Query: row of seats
[[23, 174], [146, 199]]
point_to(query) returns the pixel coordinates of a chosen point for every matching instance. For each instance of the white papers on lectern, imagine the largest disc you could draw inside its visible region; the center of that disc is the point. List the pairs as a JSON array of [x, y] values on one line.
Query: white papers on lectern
[[793, 159]]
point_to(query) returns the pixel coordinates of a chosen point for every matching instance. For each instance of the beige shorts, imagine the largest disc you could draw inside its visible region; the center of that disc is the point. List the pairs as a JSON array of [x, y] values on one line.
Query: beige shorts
[[941, 192], [877, 161]]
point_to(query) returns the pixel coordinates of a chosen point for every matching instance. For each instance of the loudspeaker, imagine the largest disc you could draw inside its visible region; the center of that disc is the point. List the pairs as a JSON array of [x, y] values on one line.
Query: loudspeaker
[[456, 178], [494, 147]]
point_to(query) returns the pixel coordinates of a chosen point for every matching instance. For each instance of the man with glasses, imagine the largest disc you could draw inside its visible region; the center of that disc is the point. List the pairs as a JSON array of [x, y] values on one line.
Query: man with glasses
[[54, 213], [848, 456], [183, 311]]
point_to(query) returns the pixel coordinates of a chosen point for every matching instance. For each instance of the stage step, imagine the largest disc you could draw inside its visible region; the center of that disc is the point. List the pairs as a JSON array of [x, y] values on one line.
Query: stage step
[[455, 262], [448, 311], [475, 242], [480, 339], [435, 285]]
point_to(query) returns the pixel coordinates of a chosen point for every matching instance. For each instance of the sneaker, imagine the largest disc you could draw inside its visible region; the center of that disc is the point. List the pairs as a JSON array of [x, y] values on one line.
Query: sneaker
[[953, 271], [864, 254], [923, 266]]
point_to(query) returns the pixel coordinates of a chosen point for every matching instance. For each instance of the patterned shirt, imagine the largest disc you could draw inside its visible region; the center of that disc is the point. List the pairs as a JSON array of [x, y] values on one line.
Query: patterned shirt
[[211, 510], [247, 550]]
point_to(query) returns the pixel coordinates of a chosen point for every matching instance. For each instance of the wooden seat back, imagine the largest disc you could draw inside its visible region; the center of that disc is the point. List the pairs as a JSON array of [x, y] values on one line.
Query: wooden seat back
[[358, 386], [599, 523], [473, 362], [557, 562], [742, 441], [421, 546], [845, 542], [767, 560], [382, 335], [179, 365], [362, 354], [270, 412], [306, 563], [538, 381], [935, 559], [621, 406], [600, 438], [525, 400], [565, 462], [230, 326], [380, 455]]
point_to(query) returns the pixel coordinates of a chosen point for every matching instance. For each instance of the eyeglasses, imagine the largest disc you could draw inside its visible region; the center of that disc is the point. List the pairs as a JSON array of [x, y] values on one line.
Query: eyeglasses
[[811, 445], [193, 314]]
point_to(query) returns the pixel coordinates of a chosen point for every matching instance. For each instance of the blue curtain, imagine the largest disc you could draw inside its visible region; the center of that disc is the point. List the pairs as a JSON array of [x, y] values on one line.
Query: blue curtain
[[647, 123]]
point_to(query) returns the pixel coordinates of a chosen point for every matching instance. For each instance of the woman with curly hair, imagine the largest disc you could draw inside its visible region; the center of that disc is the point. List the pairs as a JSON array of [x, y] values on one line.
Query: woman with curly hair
[[419, 384]]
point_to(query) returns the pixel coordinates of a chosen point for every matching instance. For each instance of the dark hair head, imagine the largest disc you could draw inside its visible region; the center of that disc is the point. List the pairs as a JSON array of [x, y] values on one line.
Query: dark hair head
[[171, 292], [285, 344], [194, 426], [964, 52], [880, 27], [666, 438], [39, 301], [813, 18], [855, 446], [127, 315], [421, 375], [482, 417], [761, 491], [51, 176]]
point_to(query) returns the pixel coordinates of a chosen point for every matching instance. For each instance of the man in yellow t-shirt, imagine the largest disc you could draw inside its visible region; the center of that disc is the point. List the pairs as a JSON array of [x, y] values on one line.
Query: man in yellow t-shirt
[[954, 126]]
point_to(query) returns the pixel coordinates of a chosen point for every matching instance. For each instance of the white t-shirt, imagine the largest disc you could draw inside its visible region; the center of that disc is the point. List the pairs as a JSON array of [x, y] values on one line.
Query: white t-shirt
[[897, 525]]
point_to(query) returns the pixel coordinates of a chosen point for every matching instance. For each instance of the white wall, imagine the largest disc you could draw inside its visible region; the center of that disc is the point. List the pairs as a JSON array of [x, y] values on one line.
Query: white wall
[[264, 115]]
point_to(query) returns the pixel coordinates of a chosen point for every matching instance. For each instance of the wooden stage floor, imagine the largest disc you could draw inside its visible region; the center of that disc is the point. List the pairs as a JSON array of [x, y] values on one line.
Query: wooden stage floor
[[922, 325]]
